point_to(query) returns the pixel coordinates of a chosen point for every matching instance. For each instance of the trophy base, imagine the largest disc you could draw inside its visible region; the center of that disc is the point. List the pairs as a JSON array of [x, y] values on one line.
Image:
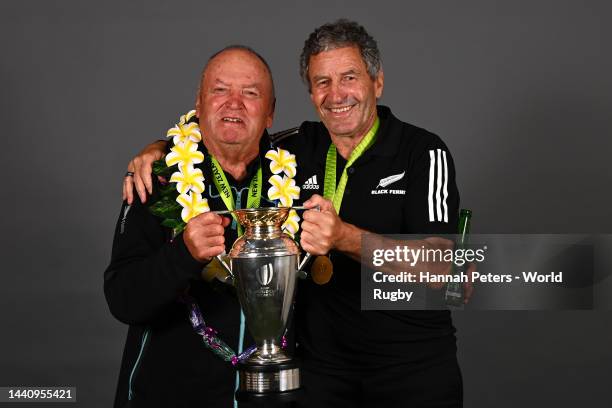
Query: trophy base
[[271, 382], [267, 399]]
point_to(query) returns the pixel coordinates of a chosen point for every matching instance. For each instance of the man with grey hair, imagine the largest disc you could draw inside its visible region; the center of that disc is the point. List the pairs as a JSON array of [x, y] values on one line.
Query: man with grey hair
[[352, 357], [369, 358]]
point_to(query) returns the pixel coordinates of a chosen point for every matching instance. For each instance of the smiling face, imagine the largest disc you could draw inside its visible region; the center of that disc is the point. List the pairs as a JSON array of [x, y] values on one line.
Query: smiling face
[[343, 92], [235, 103]]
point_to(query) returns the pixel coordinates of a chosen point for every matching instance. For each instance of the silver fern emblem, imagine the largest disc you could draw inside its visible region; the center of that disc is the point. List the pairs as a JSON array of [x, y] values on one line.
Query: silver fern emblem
[[390, 180]]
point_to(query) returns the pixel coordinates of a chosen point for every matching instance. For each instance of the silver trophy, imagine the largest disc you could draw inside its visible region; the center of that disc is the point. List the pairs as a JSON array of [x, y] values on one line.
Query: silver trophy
[[264, 268]]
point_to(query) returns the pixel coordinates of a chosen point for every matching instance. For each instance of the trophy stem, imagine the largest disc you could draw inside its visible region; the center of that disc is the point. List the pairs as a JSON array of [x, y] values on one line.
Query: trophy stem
[[269, 349], [268, 352]]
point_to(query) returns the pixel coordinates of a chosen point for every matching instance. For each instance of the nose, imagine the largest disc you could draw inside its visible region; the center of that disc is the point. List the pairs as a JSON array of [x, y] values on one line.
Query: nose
[[337, 93], [234, 100]]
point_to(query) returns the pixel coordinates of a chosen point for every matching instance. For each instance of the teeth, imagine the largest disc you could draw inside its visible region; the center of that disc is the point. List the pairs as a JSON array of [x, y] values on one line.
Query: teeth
[[234, 120], [339, 110]]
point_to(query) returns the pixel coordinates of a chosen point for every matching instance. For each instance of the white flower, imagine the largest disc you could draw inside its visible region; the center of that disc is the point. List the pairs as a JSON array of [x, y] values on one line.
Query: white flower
[[188, 179], [292, 224], [283, 189], [282, 160], [193, 205], [185, 118], [185, 154], [184, 132]]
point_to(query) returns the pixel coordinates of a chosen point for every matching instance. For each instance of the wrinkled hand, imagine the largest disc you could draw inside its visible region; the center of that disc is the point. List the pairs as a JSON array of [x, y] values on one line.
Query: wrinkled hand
[[445, 268], [435, 265], [142, 167], [203, 236], [321, 230]]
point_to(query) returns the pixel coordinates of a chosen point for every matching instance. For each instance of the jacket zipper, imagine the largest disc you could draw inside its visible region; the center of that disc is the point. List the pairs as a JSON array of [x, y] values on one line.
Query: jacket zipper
[[143, 343]]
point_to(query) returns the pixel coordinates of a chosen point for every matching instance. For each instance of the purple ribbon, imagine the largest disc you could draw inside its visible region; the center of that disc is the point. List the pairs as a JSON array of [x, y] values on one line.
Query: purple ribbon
[[209, 335]]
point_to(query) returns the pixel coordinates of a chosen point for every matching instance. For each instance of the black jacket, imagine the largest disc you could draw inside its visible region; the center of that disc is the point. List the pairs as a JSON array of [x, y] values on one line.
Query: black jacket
[[165, 363]]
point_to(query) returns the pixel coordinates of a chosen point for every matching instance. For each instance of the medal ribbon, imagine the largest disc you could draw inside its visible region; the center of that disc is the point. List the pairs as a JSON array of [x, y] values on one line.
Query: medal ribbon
[[253, 199], [329, 188]]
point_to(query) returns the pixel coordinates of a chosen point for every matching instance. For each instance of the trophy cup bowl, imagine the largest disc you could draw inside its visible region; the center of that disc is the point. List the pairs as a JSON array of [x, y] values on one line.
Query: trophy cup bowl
[[264, 267]]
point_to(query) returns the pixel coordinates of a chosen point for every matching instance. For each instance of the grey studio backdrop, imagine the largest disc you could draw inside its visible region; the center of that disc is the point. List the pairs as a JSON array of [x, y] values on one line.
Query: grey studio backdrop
[[520, 92]]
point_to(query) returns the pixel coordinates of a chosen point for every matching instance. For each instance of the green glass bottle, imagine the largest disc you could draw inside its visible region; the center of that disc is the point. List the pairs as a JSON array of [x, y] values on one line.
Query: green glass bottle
[[454, 290]]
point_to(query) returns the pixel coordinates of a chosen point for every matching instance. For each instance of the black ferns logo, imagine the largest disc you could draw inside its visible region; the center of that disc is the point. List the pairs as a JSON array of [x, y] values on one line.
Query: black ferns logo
[[264, 274]]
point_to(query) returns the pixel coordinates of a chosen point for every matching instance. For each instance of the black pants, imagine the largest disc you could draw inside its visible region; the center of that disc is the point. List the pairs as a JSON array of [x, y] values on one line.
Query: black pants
[[435, 383]]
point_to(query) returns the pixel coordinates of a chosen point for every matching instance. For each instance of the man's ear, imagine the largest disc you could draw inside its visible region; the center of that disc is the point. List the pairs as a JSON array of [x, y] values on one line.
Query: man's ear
[[197, 105], [270, 117], [379, 83]]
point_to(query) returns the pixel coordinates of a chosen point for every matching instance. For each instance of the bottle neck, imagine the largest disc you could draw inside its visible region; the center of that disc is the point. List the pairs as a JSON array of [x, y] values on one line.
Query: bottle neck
[[463, 229]]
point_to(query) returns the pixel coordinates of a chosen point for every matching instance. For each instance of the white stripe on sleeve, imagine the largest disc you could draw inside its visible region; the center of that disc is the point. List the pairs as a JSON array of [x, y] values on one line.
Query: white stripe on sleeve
[[432, 164], [439, 186], [445, 187]]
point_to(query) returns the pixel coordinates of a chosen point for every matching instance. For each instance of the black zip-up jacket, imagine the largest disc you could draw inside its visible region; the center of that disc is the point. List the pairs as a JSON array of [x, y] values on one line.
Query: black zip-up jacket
[[165, 363]]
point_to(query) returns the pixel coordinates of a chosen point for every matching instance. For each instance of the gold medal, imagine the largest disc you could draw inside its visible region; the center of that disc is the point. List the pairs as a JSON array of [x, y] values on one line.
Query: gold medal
[[322, 270]]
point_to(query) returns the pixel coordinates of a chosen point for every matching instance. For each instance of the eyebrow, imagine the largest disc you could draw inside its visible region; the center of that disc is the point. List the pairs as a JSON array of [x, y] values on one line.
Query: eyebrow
[[349, 72], [319, 77], [256, 85]]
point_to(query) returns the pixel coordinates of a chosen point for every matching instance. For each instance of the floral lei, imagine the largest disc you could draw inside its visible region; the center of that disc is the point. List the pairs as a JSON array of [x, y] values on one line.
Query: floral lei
[[179, 203]]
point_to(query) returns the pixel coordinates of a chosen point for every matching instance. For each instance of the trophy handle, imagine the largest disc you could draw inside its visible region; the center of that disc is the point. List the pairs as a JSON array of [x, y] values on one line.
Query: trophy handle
[[301, 273], [230, 278]]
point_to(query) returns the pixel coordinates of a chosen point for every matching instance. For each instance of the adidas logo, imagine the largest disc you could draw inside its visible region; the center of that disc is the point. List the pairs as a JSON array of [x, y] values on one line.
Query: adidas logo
[[311, 184]]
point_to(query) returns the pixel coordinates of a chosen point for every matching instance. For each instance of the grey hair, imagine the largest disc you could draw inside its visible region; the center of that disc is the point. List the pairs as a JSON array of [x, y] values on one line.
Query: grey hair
[[250, 51], [341, 33]]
